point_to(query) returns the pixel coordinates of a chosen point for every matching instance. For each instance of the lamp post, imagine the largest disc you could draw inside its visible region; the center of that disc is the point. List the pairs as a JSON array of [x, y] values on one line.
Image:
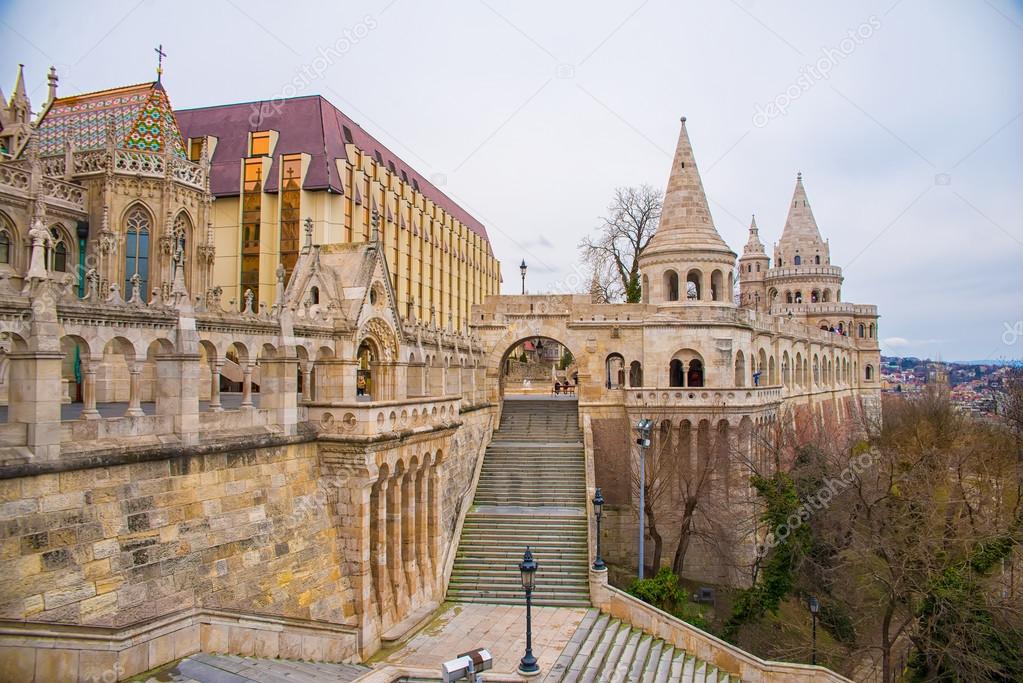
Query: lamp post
[[527, 569], [815, 607], [644, 427], [598, 509], [522, 269]]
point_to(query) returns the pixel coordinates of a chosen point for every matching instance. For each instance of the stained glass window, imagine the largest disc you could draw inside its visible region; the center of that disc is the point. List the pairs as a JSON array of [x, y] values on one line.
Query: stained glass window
[[136, 250]]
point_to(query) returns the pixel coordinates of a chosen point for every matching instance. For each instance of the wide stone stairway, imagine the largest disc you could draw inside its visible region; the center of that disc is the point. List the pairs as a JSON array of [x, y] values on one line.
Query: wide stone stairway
[[608, 649], [531, 492], [209, 668]]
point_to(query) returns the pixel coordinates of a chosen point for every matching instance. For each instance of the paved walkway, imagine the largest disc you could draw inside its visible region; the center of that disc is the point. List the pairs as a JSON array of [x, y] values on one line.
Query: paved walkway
[[501, 629]]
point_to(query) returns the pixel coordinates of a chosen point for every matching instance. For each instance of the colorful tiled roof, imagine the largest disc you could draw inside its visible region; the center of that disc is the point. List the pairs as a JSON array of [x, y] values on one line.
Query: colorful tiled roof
[[141, 116], [308, 124]]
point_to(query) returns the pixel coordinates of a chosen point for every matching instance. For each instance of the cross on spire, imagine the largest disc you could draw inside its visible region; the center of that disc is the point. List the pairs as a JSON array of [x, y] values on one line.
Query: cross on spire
[[159, 64]]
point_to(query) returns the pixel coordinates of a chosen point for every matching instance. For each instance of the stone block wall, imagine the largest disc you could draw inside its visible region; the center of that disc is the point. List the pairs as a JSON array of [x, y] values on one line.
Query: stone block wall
[[117, 545]]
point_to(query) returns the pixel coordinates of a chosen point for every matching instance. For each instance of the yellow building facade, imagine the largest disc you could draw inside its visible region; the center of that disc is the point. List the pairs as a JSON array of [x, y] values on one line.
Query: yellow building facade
[[275, 165]]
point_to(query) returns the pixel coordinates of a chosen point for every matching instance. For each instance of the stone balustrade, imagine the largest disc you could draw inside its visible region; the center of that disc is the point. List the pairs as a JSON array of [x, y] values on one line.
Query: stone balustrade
[[372, 418], [736, 397]]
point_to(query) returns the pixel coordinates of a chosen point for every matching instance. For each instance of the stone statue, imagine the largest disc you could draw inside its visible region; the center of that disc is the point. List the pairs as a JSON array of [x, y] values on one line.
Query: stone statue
[[136, 290], [249, 297]]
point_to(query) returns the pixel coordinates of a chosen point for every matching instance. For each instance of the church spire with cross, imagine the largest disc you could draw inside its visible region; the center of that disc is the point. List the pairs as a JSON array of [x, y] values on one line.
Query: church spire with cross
[[159, 62]]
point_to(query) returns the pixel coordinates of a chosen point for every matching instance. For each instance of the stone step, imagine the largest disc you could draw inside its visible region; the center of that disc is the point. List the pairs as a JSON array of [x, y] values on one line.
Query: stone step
[[209, 668], [607, 650]]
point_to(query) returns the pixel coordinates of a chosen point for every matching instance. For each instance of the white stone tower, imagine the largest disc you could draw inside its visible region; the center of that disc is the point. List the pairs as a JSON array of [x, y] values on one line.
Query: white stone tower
[[686, 261], [753, 267]]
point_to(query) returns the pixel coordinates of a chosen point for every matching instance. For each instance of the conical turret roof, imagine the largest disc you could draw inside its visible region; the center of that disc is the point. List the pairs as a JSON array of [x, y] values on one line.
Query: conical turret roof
[[686, 223], [800, 226]]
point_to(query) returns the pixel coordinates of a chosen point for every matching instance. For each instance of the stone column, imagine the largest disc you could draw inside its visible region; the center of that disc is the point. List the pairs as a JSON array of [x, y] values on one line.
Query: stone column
[[426, 568], [177, 392], [278, 385], [433, 532], [307, 382], [247, 386], [134, 392], [215, 405], [89, 411], [380, 559], [394, 546], [410, 535]]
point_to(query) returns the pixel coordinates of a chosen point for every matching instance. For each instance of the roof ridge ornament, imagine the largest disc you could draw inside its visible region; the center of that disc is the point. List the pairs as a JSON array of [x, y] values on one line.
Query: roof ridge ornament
[[159, 63]]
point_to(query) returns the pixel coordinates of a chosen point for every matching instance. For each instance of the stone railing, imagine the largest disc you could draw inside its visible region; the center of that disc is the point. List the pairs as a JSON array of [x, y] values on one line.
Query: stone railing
[[99, 653], [126, 161], [14, 177], [803, 271], [701, 644], [371, 418], [68, 193], [702, 396]]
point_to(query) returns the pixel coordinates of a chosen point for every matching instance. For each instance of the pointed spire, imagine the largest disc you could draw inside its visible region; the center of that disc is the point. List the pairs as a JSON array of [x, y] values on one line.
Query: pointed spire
[[686, 223], [800, 226], [19, 84], [753, 244], [21, 108]]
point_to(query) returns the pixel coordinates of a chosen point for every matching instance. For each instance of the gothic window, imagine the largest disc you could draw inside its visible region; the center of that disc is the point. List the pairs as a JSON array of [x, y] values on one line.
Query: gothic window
[[314, 295], [5, 246], [59, 260], [797, 260], [136, 248], [817, 259]]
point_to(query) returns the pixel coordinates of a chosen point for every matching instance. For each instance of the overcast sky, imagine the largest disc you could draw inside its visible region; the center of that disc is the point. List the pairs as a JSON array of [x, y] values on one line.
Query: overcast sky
[[905, 117]]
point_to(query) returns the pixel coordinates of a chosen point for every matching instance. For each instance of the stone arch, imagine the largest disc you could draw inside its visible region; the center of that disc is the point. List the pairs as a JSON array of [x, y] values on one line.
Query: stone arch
[[635, 374], [9, 241], [717, 286], [60, 256], [740, 369], [671, 290], [694, 285], [772, 372], [614, 371], [786, 370]]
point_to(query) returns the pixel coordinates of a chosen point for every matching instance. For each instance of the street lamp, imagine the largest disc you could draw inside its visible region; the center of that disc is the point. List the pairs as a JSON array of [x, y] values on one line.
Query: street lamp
[[644, 427], [522, 269], [527, 569], [598, 509], [815, 607]]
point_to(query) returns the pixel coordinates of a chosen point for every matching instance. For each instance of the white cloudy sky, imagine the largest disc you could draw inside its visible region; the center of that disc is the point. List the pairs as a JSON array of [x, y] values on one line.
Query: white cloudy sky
[[530, 113]]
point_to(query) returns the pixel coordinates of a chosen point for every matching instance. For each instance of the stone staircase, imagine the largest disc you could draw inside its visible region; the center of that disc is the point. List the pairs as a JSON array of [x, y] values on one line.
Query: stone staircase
[[531, 492], [608, 650], [209, 668]]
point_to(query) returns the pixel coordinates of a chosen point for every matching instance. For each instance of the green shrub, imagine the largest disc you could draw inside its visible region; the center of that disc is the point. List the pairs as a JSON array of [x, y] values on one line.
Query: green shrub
[[665, 593]]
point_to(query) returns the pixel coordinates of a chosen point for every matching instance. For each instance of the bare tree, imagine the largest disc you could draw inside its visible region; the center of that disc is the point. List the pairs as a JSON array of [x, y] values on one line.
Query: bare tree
[[612, 255]]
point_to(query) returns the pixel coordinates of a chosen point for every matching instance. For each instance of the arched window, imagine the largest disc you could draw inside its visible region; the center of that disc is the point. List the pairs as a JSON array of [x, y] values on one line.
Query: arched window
[[860, 330], [676, 376], [646, 289], [635, 374], [136, 248], [614, 366], [694, 378], [817, 259], [797, 260], [717, 289], [740, 369], [871, 330], [758, 267], [671, 285], [815, 296], [869, 373], [788, 297], [314, 294], [799, 297], [56, 254], [5, 246], [693, 286]]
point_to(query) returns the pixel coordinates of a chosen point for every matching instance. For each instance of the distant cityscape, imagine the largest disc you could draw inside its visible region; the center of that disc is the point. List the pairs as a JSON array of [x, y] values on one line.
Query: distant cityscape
[[974, 386]]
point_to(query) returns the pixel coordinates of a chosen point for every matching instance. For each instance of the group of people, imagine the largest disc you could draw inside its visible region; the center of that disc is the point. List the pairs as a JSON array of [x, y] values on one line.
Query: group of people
[[565, 387]]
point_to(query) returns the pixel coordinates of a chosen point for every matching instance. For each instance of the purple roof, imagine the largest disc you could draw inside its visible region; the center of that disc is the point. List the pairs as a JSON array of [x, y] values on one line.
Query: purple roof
[[307, 124]]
